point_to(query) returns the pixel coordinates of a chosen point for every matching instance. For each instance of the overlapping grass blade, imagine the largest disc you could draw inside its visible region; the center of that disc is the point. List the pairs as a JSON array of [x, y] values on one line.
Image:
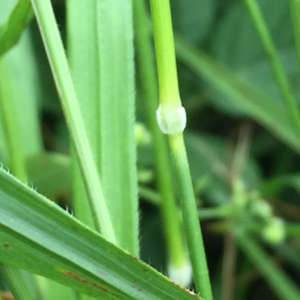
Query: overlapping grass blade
[[37, 235], [16, 283], [58, 62], [84, 62], [10, 33]]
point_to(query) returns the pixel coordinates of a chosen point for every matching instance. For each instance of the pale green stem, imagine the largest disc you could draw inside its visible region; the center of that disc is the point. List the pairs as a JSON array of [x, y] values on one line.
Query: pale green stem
[[165, 53], [171, 119], [57, 57], [295, 13], [278, 69], [9, 121], [190, 217], [170, 213], [16, 283]]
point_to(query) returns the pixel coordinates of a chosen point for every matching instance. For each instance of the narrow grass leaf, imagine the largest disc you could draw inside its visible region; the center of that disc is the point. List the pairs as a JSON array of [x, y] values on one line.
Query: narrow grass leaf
[[84, 63], [117, 116], [60, 69], [37, 235]]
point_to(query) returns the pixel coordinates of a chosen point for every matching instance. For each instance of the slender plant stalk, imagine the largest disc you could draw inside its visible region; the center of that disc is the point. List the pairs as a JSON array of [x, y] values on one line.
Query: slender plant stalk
[[279, 72], [165, 55], [178, 258], [8, 115], [229, 262], [16, 283], [57, 57], [171, 119], [295, 13], [190, 217], [13, 276]]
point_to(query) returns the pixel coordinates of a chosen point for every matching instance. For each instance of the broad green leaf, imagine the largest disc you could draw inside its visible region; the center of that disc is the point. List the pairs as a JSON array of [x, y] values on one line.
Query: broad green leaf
[[239, 93], [37, 235], [18, 20]]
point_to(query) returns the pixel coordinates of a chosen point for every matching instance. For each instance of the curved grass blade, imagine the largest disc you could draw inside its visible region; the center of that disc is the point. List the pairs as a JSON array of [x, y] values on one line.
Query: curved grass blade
[[37, 235], [10, 33]]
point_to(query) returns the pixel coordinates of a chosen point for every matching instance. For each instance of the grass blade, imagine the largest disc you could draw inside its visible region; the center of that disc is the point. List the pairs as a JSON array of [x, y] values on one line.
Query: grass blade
[[16, 283], [10, 33], [44, 13], [10, 123], [117, 115], [54, 244], [84, 62]]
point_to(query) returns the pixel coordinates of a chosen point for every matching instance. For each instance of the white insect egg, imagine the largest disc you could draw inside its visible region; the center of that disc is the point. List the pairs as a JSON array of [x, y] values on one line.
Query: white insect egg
[[171, 120]]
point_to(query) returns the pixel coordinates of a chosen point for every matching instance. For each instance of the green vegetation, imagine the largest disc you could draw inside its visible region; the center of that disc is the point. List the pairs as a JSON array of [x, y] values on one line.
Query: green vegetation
[[124, 124]]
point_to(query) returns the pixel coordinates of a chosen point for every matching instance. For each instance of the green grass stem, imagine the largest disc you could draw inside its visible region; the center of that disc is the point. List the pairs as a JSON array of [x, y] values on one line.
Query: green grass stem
[[190, 217], [170, 213], [165, 53], [57, 57], [173, 121], [278, 69], [16, 283], [10, 123]]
